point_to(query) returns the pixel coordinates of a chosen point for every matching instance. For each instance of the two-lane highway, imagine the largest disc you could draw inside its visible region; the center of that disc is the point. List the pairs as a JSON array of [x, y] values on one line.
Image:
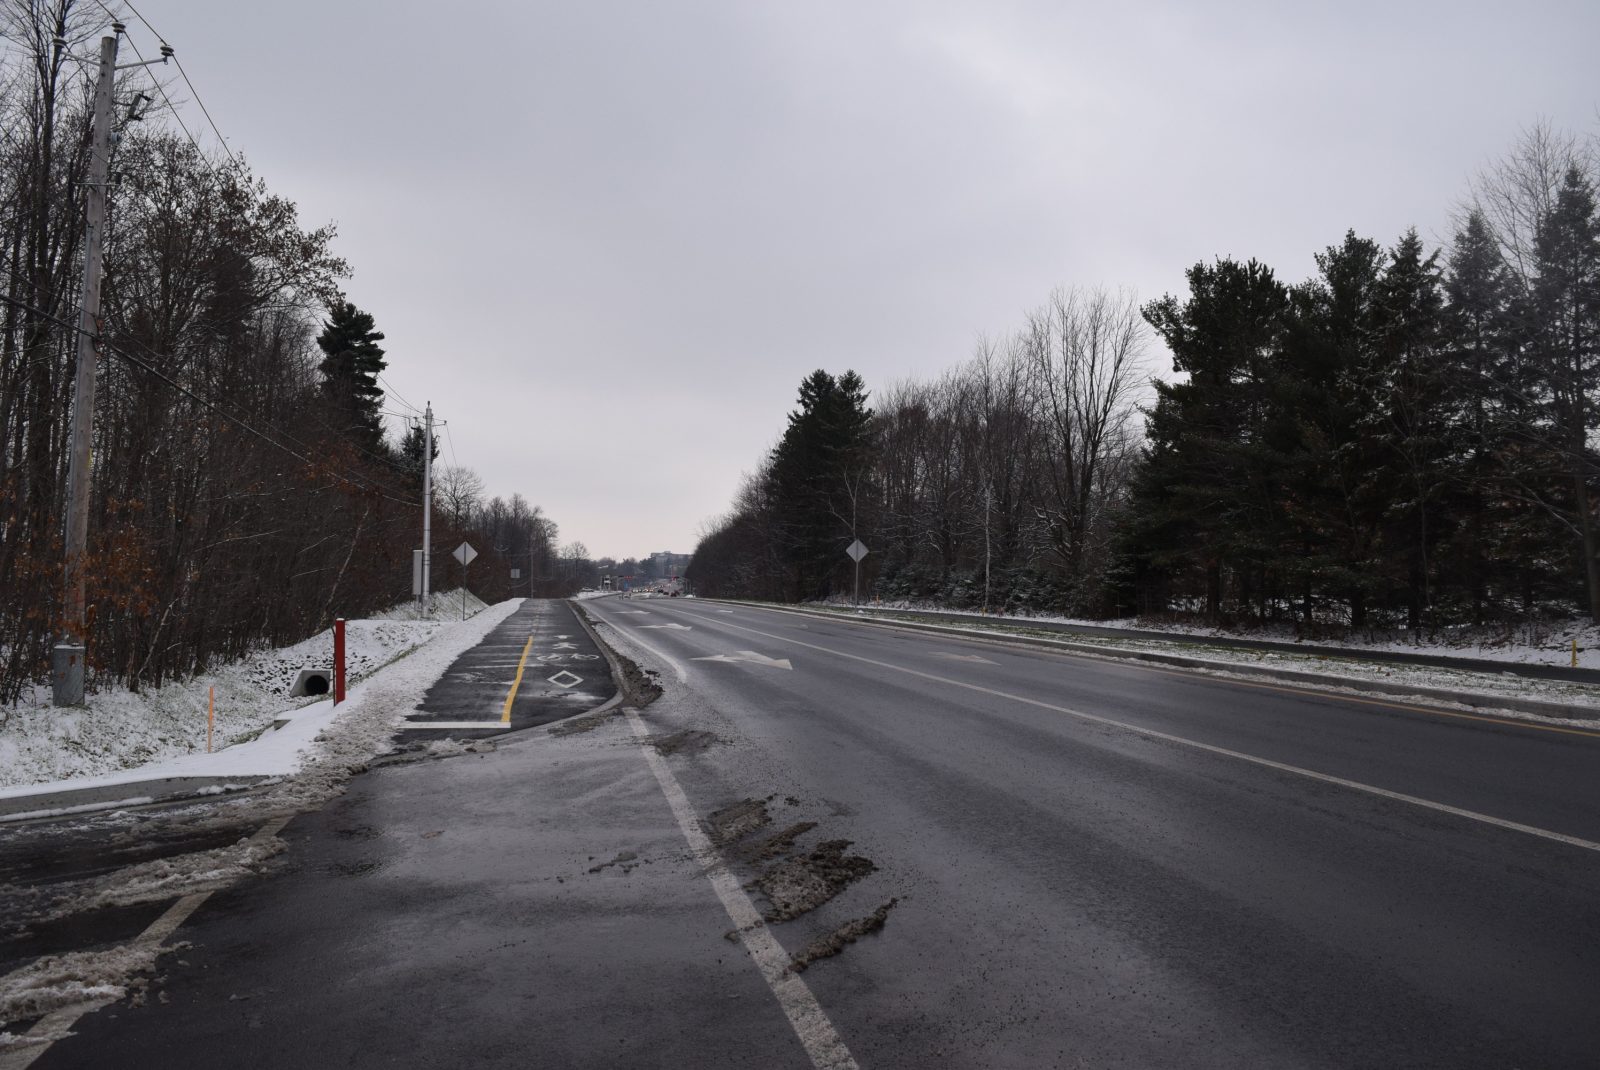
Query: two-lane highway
[[1103, 863]]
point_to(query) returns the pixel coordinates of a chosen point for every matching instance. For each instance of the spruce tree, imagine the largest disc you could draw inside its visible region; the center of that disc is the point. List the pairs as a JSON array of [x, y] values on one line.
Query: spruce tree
[[352, 361], [1564, 331], [817, 468]]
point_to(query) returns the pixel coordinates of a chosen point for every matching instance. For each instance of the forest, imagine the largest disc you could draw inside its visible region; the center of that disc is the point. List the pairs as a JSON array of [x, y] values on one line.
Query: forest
[[244, 491], [1405, 440]]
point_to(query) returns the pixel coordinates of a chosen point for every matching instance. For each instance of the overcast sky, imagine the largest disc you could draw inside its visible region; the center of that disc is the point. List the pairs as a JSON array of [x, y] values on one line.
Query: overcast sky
[[607, 240]]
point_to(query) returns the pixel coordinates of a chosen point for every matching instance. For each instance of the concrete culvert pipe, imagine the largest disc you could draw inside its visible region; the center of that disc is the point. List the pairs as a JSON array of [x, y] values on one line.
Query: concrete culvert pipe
[[312, 682]]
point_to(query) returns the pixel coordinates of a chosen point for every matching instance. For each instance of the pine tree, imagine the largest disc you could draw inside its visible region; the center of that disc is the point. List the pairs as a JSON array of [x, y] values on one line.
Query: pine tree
[[352, 361], [1205, 499]]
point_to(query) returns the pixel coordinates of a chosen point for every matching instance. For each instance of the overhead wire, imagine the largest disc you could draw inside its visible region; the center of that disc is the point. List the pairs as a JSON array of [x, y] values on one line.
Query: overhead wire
[[193, 141], [195, 92], [365, 483]]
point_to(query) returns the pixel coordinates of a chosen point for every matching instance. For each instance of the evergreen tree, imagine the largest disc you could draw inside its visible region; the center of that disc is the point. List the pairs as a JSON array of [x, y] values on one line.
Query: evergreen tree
[[1205, 497], [1489, 549], [1416, 410], [411, 452], [818, 478], [352, 361], [1336, 482], [1564, 330]]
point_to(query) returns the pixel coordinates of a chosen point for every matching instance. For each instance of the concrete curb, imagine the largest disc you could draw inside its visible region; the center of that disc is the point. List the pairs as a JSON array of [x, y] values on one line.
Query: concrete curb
[[1399, 691], [132, 793]]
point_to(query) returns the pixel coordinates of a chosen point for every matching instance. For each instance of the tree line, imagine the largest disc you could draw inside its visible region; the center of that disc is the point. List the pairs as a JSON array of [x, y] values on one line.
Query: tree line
[[244, 492], [1408, 438]]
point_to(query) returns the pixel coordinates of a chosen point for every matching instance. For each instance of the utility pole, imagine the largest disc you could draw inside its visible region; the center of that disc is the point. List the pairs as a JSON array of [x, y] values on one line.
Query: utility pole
[[427, 503], [988, 496], [67, 656]]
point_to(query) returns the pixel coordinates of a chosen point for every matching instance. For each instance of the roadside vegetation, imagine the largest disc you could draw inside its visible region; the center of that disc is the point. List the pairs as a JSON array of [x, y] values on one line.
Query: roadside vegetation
[[245, 490], [1407, 439]]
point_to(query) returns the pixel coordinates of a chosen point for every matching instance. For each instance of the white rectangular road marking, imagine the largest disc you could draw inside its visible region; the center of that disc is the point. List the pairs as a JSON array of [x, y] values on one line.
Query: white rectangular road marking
[[817, 1034]]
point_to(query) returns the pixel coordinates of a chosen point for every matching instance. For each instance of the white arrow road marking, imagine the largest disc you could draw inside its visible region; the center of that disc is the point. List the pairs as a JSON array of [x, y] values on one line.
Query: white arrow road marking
[[668, 627], [964, 657], [563, 646], [563, 637], [750, 657]]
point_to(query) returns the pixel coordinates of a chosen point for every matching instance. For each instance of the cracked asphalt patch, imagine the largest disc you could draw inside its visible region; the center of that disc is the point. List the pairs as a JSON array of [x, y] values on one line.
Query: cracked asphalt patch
[[803, 883], [737, 821], [780, 843], [686, 741]]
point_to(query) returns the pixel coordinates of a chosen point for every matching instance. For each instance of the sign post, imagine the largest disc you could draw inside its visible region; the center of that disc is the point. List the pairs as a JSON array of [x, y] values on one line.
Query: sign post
[[857, 550], [464, 554], [338, 661]]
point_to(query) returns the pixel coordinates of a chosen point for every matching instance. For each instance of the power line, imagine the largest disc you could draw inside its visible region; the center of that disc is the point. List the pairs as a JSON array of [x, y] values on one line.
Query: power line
[[195, 92], [448, 437], [398, 395], [380, 458], [368, 483], [156, 82]]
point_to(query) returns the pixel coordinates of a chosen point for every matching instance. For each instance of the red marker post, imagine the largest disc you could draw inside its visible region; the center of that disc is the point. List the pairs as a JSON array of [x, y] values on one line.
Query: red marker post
[[338, 661]]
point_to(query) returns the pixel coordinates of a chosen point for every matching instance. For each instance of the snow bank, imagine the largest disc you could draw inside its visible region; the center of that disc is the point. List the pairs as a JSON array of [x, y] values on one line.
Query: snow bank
[[1532, 643], [119, 731]]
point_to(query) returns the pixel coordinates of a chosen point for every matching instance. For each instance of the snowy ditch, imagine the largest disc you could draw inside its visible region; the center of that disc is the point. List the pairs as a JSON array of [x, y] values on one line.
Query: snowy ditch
[[119, 730]]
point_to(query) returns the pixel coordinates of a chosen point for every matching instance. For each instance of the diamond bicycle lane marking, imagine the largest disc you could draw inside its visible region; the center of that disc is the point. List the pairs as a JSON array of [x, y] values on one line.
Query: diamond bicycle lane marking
[[563, 674]]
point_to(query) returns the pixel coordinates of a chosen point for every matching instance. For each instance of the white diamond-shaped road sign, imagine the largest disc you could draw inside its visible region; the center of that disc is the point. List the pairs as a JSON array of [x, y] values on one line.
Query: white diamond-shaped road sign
[[857, 550], [464, 554], [566, 679]]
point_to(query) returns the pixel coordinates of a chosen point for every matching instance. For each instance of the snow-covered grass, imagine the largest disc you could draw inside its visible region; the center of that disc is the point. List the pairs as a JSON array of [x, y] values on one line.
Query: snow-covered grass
[[120, 730], [1398, 679], [1533, 642]]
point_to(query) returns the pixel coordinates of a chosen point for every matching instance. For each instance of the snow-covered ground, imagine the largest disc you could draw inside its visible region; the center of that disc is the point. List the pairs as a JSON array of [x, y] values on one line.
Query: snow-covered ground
[[309, 759], [1533, 643], [1398, 679], [119, 730]]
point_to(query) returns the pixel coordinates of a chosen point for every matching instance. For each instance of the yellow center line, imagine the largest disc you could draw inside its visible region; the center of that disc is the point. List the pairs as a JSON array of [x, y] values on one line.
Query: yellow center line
[[522, 663]]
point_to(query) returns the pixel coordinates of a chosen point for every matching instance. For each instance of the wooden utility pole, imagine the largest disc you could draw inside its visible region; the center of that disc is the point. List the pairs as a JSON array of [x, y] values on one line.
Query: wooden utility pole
[[427, 503], [67, 656]]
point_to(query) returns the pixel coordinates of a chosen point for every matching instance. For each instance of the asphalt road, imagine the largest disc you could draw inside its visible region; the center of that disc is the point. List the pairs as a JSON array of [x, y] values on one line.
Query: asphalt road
[[1090, 864]]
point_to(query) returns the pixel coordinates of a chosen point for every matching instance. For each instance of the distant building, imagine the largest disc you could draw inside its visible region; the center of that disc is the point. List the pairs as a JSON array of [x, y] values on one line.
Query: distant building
[[667, 564]]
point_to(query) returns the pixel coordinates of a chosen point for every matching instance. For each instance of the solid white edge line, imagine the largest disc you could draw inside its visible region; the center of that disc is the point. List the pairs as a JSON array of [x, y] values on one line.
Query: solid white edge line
[[677, 667], [1326, 778], [811, 1024], [58, 1023]]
